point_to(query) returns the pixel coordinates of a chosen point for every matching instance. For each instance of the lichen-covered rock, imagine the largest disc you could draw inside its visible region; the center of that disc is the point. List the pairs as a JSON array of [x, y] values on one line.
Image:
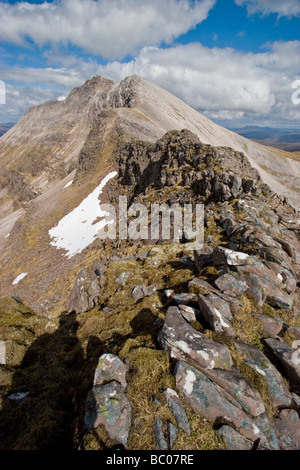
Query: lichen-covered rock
[[255, 288], [178, 410], [287, 426], [272, 326], [286, 356], [203, 257], [85, 293], [279, 299], [230, 285], [267, 428], [286, 280], [224, 256], [233, 439], [159, 434], [185, 343], [78, 300], [185, 298], [278, 392], [122, 278], [14, 353], [207, 399], [234, 383], [2, 352], [137, 292], [202, 286], [217, 313], [108, 405], [276, 256], [190, 314], [296, 399], [265, 280], [141, 291], [110, 368], [295, 331], [172, 433]]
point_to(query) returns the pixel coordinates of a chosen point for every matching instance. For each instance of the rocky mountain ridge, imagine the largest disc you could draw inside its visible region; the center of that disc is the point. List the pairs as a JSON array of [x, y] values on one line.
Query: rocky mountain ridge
[[167, 347], [60, 151]]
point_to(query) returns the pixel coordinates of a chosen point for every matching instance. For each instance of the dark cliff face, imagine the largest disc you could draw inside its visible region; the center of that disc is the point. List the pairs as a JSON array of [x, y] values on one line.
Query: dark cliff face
[[179, 158]]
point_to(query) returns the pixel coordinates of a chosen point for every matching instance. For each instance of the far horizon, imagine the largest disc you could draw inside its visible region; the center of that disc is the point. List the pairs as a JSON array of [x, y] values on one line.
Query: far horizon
[[236, 62]]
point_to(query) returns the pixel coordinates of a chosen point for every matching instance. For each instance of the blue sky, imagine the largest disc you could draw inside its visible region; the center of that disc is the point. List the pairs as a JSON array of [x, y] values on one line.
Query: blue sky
[[233, 60]]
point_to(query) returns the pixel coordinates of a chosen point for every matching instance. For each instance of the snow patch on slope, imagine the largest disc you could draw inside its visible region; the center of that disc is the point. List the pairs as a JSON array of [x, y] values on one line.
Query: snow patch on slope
[[19, 278], [68, 184], [77, 230]]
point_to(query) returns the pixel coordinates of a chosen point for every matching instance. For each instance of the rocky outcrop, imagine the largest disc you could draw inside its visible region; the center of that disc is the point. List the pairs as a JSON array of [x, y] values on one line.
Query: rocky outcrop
[[106, 403], [285, 355], [210, 401], [110, 368], [87, 288], [185, 343], [226, 330], [278, 392]]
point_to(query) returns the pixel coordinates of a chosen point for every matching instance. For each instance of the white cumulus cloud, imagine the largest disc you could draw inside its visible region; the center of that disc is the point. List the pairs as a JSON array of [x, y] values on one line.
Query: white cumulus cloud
[[225, 84], [109, 28], [222, 83], [287, 8]]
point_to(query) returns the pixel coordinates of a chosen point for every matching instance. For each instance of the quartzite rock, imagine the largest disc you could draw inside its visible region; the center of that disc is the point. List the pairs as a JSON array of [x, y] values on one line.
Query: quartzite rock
[[172, 433], [224, 256], [185, 299], [141, 291], [276, 256], [201, 286], [122, 278], [185, 343], [286, 280], [2, 352], [79, 298], [266, 426], [190, 314], [266, 281]]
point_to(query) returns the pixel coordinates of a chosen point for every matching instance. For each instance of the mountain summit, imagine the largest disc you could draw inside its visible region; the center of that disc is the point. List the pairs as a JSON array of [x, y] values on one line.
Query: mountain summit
[[52, 135]]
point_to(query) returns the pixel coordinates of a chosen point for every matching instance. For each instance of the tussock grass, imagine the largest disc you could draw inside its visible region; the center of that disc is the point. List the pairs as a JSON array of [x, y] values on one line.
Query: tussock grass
[[202, 436], [248, 328], [149, 376]]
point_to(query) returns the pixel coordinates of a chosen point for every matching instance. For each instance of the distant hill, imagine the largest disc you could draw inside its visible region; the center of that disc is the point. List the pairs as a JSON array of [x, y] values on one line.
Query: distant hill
[[284, 139], [5, 127]]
